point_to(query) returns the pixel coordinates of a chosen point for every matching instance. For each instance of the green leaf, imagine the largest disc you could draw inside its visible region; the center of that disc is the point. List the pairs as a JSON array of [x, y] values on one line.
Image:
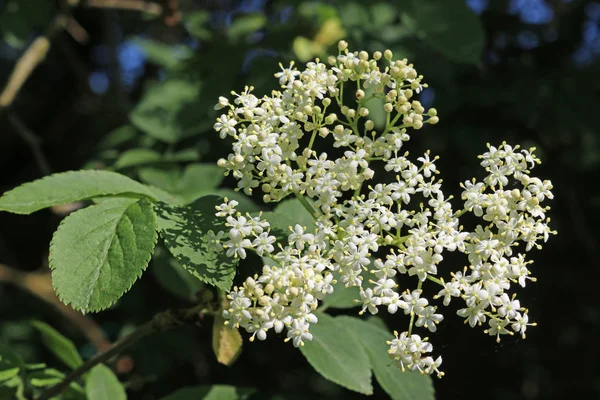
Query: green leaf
[[214, 392], [245, 25], [67, 187], [173, 277], [198, 180], [59, 345], [10, 363], [342, 297], [118, 137], [185, 231], [382, 14], [399, 385], [168, 112], [168, 56], [135, 157], [197, 23], [50, 377], [102, 384], [451, 28], [336, 354], [287, 214], [165, 177], [98, 252]]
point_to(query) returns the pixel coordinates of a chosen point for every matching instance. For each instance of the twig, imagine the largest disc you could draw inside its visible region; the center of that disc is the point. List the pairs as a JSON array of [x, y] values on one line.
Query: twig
[[30, 59], [133, 5], [32, 140], [40, 285], [161, 322]]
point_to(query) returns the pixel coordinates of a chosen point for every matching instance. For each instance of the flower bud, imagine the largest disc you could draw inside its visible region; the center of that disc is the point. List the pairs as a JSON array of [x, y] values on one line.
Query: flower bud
[[433, 120], [377, 55], [360, 94], [326, 102], [342, 45], [388, 54], [388, 107], [369, 125], [363, 112]]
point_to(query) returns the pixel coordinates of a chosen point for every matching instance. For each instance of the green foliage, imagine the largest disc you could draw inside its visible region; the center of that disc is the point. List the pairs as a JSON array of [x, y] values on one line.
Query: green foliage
[[337, 355], [10, 363], [186, 231], [214, 392], [136, 157], [98, 252], [18, 20], [102, 384], [245, 25], [287, 214], [450, 28], [342, 297], [168, 56], [48, 377], [169, 111], [173, 277], [68, 187], [399, 385], [194, 181], [59, 345]]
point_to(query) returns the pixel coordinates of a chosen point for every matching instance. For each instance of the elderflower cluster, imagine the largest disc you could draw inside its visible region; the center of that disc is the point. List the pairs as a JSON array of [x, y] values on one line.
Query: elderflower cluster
[[369, 229]]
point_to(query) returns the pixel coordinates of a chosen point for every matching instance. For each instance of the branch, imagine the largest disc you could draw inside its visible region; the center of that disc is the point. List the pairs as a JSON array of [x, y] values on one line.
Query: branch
[[32, 140], [132, 5], [161, 322], [30, 59], [40, 285]]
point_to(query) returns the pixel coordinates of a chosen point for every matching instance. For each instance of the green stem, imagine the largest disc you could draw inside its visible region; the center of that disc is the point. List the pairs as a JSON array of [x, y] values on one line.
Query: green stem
[[412, 315], [307, 205], [436, 280]]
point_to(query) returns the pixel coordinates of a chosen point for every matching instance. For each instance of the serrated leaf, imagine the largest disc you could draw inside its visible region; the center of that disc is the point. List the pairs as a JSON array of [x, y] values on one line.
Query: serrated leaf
[[102, 384], [58, 344], [214, 392], [168, 112], [136, 157], [338, 356], [10, 363], [98, 252], [185, 232], [226, 341], [399, 385], [451, 28], [67, 187]]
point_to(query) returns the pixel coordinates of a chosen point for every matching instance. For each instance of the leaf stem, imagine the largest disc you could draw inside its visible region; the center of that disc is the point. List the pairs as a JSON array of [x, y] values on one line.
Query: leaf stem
[[412, 315], [307, 205], [161, 322]]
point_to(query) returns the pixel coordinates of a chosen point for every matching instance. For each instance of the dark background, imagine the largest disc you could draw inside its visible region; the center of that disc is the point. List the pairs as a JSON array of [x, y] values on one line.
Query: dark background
[[524, 71]]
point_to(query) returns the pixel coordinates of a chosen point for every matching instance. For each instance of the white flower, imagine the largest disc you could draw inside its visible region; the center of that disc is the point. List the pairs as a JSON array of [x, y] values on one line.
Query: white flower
[[225, 126]]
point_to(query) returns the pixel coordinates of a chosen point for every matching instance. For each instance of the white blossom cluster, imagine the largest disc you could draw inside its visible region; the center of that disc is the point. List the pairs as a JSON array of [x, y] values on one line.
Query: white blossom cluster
[[367, 232]]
